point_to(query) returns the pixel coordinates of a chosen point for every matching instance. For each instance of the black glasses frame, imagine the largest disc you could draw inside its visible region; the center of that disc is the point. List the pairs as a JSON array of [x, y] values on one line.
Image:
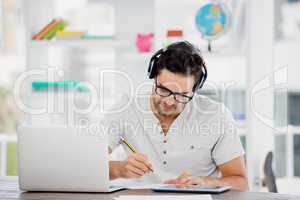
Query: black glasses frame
[[172, 93]]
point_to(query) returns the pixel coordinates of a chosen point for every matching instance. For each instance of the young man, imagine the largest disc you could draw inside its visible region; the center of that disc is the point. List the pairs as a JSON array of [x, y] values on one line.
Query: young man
[[180, 138]]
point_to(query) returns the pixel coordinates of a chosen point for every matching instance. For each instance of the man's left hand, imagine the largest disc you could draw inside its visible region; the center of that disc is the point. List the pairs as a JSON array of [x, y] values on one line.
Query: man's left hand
[[186, 179]]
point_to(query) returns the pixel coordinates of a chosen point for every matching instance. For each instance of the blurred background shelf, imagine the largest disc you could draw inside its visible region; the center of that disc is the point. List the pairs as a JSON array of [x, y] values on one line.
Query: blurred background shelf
[[109, 43]]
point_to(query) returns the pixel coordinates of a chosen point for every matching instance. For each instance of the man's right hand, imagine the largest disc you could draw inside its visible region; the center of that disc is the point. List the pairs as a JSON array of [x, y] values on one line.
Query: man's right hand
[[135, 166]]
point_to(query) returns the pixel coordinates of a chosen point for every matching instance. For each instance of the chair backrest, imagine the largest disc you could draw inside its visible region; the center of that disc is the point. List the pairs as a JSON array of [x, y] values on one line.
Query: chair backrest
[[270, 179]]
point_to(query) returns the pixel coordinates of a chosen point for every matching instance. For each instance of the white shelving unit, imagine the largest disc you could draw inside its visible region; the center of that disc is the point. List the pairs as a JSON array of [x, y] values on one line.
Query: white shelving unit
[[105, 43], [131, 17], [71, 55]]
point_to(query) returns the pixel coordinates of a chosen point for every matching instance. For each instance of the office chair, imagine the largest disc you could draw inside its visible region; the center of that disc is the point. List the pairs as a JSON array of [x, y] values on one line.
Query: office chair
[[269, 179]]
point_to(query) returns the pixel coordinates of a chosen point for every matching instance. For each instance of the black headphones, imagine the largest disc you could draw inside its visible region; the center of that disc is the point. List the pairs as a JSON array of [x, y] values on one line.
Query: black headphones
[[152, 69]]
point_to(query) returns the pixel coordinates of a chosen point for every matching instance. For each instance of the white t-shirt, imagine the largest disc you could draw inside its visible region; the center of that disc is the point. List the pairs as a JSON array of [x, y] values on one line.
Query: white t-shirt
[[202, 137]]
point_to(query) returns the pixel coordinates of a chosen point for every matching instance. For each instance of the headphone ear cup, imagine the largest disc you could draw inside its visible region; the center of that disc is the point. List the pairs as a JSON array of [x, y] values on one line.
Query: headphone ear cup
[[150, 68], [153, 69], [153, 64], [203, 77]]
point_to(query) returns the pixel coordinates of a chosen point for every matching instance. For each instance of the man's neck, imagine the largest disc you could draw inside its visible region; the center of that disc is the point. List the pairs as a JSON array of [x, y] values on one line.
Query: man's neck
[[165, 121]]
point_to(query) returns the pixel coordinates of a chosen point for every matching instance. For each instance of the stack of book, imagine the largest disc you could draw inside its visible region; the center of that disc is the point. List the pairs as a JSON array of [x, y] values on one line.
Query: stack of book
[[55, 29]]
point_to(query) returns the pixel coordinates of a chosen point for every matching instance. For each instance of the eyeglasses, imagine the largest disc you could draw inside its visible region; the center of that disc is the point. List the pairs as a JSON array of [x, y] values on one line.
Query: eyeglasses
[[165, 92]]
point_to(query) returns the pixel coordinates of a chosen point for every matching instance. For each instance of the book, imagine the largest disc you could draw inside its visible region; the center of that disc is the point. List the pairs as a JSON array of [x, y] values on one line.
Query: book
[[66, 35], [97, 37], [40, 35], [60, 26], [68, 84]]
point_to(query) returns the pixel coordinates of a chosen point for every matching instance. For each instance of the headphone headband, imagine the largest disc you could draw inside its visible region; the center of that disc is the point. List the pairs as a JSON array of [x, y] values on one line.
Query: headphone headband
[[153, 64]]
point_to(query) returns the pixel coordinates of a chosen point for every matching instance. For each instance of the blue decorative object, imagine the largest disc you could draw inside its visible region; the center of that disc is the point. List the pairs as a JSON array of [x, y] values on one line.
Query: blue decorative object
[[212, 20]]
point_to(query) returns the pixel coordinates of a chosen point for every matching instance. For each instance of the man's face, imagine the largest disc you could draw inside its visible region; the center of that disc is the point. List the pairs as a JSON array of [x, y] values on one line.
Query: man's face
[[177, 83]]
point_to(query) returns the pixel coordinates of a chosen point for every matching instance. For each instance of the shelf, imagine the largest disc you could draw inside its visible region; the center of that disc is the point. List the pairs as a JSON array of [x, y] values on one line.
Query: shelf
[[79, 43], [224, 53], [8, 137], [136, 56], [208, 56]]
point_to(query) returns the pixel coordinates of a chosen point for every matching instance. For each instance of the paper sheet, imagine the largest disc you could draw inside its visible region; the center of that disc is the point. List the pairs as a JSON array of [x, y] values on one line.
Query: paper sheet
[[136, 183], [143, 185], [164, 197]]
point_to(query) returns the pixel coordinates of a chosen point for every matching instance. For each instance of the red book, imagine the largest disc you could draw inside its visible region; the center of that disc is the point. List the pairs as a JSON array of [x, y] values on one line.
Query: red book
[[45, 30], [174, 33]]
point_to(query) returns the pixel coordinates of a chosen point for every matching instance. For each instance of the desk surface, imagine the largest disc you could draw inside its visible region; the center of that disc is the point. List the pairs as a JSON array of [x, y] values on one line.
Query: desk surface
[[9, 190]]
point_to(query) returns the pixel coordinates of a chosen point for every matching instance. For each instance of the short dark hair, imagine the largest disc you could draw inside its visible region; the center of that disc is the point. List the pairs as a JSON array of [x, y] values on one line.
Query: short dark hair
[[182, 58]]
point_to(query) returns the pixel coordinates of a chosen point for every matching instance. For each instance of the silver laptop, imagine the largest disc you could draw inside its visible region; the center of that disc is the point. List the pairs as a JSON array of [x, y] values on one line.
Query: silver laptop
[[63, 158]]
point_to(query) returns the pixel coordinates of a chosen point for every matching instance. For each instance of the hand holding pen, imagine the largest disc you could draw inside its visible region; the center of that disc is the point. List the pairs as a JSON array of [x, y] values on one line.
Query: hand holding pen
[[136, 165]]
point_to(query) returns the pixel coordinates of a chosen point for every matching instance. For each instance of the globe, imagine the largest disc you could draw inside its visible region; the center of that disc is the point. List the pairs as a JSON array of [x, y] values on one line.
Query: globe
[[212, 20]]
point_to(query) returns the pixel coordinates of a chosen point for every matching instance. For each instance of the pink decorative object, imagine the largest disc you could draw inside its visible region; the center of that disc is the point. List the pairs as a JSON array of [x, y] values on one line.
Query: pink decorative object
[[144, 41]]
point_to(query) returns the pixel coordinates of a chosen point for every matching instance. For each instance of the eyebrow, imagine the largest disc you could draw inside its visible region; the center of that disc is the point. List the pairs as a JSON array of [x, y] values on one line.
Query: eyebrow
[[160, 85]]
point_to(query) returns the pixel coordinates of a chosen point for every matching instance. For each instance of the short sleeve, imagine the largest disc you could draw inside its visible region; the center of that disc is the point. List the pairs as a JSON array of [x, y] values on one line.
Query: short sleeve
[[228, 145]]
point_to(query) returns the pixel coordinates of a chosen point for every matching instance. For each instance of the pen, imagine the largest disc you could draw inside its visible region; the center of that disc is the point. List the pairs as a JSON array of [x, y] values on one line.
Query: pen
[[128, 145], [131, 148]]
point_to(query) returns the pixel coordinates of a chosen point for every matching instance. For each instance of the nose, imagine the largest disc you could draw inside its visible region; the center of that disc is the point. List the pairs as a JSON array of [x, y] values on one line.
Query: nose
[[170, 101]]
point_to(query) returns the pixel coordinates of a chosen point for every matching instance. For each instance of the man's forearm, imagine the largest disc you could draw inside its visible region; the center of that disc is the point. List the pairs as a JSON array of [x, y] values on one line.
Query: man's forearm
[[236, 182]]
